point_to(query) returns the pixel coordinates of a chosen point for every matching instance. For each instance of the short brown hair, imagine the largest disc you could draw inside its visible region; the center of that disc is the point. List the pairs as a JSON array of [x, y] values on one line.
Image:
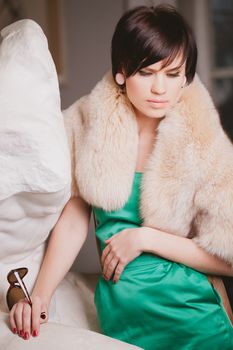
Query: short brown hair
[[146, 35]]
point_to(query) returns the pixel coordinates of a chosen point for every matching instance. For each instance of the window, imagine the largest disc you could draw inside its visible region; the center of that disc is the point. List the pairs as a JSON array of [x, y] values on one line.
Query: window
[[221, 18]]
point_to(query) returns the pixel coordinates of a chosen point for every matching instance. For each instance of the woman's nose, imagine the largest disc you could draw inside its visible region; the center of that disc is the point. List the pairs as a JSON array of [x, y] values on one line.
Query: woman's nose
[[158, 85]]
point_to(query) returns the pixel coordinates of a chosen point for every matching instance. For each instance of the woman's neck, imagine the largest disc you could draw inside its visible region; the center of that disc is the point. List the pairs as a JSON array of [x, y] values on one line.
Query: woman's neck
[[146, 124]]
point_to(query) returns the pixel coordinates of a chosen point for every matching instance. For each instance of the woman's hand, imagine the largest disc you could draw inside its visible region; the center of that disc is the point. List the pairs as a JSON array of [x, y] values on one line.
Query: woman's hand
[[66, 240], [121, 248], [25, 319]]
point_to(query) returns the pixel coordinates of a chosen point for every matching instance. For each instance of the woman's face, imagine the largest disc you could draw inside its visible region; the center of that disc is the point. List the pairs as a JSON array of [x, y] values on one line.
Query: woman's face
[[154, 90]]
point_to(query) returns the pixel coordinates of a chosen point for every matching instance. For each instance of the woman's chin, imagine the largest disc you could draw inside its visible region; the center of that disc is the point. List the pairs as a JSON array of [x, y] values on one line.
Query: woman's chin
[[156, 114]]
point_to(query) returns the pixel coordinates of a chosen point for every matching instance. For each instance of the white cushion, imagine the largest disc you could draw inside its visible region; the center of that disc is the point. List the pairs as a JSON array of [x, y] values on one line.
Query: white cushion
[[34, 154], [26, 220]]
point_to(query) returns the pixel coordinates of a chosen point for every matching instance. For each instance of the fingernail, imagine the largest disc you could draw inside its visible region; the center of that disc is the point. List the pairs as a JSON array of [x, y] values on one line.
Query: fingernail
[[21, 333], [26, 335], [14, 330], [35, 333]]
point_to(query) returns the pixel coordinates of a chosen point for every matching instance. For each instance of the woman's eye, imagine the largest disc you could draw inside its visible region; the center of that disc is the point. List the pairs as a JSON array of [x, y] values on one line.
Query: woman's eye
[[173, 75], [144, 73]]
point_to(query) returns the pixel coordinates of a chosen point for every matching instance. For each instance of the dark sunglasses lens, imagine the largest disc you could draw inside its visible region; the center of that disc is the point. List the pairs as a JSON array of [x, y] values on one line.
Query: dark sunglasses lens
[[14, 295], [11, 276]]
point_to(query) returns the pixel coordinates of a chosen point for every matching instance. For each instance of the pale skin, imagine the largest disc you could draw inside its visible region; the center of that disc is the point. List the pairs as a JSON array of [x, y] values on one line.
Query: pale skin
[[152, 92]]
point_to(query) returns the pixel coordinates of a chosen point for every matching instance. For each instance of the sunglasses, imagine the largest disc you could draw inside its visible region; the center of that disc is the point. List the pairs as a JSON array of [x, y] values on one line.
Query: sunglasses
[[17, 289]]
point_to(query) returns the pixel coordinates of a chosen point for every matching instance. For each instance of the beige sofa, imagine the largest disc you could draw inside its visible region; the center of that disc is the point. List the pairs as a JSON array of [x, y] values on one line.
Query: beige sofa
[[75, 325]]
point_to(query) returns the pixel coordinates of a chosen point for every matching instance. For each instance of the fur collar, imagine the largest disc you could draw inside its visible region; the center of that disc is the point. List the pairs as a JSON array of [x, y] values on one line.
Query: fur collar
[[187, 186]]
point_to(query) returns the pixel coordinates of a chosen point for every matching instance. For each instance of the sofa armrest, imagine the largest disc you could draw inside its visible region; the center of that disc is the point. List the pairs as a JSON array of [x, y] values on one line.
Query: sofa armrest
[[56, 336]]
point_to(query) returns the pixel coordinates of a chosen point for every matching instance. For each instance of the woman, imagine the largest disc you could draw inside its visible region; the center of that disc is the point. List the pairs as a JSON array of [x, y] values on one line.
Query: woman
[[139, 148]]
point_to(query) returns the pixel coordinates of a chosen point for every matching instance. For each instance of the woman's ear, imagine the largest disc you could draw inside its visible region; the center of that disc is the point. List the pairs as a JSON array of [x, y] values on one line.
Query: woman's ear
[[184, 82], [120, 79]]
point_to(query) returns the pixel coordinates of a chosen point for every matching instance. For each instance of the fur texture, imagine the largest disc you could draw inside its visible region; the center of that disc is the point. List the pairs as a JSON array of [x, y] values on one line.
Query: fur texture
[[187, 186]]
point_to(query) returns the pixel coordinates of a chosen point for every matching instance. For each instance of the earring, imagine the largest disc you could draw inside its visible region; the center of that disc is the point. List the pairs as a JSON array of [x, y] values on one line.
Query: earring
[[120, 79]]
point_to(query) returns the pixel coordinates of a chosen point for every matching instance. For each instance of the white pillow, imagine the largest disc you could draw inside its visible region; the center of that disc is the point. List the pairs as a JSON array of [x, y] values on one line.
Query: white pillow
[[34, 154], [26, 220]]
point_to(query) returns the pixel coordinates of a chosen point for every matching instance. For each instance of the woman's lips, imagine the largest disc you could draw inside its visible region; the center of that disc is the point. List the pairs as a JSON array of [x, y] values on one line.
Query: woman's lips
[[157, 103]]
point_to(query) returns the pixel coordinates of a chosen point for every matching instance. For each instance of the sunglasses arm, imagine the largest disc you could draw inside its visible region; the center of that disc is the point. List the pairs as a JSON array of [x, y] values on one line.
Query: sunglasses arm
[[22, 285]]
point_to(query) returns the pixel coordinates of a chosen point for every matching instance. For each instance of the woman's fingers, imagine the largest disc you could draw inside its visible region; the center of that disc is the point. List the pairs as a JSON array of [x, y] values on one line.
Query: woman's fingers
[[37, 310], [25, 319], [111, 260], [106, 262], [105, 253], [118, 271], [107, 248], [110, 267], [12, 320], [109, 239], [18, 318]]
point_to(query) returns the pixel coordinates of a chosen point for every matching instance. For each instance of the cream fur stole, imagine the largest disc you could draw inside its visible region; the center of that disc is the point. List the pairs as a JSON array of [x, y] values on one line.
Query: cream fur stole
[[187, 186]]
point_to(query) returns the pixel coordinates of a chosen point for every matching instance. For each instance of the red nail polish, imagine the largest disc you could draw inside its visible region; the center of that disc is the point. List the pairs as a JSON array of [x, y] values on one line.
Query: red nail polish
[[35, 333], [26, 335], [21, 333], [14, 330]]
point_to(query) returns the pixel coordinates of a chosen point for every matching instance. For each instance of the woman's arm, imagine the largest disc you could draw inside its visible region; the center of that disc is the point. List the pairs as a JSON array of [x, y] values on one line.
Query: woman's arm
[[65, 242], [130, 243], [183, 250]]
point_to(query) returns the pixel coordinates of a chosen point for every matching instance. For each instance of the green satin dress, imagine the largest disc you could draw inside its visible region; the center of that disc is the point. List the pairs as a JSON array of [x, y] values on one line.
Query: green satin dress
[[157, 304]]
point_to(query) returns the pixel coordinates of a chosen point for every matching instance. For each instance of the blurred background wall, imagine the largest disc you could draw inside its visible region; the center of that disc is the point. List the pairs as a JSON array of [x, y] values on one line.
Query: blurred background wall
[[80, 31]]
